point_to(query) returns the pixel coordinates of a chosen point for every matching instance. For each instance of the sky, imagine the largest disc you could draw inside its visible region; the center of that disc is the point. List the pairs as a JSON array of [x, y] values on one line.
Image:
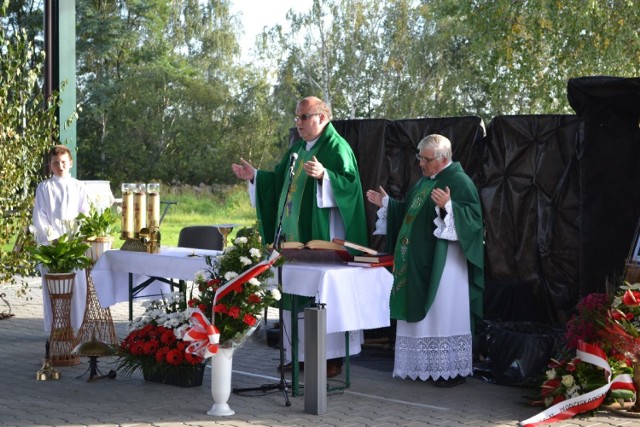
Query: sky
[[257, 14]]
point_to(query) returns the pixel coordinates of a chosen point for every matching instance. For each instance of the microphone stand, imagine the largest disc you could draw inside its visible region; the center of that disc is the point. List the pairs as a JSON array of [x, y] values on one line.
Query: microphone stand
[[277, 243]]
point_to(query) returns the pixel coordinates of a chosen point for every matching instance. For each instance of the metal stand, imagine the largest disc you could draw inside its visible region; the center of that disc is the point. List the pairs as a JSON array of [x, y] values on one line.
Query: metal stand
[[315, 372], [283, 386]]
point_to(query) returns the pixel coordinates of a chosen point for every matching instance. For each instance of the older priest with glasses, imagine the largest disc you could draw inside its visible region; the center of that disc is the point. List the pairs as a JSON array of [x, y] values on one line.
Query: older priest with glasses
[[437, 237], [325, 200]]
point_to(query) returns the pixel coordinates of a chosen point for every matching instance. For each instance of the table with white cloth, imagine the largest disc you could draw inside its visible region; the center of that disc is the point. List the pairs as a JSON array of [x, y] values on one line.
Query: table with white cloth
[[356, 298], [121, 275]]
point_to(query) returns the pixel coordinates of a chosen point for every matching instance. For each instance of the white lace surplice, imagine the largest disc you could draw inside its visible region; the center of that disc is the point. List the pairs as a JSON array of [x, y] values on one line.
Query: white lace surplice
[[439, 346]]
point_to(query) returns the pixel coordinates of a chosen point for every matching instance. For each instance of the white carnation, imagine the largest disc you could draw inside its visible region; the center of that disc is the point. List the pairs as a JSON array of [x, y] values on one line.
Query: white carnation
[[275, 293], [567, 380], [245, 261], [241, 240], [254, 281], [199, 276], [255, 253], [230, 275]]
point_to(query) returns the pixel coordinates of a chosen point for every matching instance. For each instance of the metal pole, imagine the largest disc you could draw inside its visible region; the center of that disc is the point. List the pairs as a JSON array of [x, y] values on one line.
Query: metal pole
[[315, 360]]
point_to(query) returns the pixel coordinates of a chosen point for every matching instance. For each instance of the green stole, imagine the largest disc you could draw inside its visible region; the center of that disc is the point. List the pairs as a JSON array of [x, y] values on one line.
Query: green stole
[[291, 217], [399, 292]]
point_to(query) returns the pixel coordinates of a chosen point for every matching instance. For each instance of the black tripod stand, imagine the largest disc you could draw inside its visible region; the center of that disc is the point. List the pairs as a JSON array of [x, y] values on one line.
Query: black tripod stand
[[283, 386]]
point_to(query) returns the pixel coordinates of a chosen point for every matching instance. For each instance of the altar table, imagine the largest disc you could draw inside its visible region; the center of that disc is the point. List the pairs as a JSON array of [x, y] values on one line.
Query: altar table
[[123, 275], [356, 298]]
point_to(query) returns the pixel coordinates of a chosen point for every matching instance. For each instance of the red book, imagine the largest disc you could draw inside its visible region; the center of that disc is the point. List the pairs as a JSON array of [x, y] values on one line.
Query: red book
[[371, 264], [373, 258]]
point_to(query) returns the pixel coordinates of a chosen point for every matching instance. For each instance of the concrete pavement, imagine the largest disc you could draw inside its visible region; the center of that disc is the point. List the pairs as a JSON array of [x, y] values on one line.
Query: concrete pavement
[[374, 398]]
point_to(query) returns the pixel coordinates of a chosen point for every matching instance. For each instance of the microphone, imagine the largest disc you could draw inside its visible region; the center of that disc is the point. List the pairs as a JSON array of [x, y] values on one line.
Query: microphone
[[292, 162]]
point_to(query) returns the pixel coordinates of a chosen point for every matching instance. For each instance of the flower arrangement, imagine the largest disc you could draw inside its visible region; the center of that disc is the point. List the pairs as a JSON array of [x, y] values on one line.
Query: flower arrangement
[[604, 334], [153, 345], [569, 379], [236, 314]]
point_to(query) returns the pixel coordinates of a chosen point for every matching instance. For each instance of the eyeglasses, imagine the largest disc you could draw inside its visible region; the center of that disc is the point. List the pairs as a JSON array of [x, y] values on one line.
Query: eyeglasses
[[304, 117], [426, 159]]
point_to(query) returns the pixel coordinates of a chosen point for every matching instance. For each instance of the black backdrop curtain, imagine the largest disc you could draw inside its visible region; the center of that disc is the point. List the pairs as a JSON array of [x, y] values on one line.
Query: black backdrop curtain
[[609, 175]]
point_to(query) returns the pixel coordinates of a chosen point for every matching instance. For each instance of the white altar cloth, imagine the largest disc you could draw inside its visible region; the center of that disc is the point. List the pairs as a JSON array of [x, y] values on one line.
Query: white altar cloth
[[356, 297], [111, 272]]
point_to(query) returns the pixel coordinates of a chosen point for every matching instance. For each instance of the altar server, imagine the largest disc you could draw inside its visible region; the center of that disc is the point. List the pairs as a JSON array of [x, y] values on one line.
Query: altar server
[[59, 199]]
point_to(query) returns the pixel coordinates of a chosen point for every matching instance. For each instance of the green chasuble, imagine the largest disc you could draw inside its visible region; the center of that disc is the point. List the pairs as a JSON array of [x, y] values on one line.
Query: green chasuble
[[303, 220], [420, 256]]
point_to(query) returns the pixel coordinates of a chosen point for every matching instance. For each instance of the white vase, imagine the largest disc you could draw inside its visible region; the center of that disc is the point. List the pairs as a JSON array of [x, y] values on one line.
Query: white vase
[[221, 382], [98, 246]]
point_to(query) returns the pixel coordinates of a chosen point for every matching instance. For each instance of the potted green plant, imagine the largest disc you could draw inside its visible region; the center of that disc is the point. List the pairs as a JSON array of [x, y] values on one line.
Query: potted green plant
[[98, 228], [59, 260], [63, 255]]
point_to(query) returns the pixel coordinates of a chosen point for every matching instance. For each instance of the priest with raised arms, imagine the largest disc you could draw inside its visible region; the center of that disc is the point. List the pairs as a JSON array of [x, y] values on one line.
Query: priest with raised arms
[[436, 235], [325, 200]]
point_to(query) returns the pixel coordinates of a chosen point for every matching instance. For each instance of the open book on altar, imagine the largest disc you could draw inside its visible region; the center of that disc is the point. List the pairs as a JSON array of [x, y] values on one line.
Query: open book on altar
[[313, 244]]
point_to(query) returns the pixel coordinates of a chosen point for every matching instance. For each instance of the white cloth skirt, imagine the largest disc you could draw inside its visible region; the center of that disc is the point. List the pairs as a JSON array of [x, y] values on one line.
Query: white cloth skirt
[[439, 346], [78, 302]]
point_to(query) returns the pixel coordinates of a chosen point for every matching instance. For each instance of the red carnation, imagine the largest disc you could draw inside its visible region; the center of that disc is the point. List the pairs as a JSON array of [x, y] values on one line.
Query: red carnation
[[249, 319], [220, 308], [234, 312], [213, 283], [254, 299]]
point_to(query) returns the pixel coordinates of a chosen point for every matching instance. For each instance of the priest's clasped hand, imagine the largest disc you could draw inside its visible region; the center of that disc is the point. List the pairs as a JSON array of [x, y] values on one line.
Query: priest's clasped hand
[[440, 197], [314, 168]]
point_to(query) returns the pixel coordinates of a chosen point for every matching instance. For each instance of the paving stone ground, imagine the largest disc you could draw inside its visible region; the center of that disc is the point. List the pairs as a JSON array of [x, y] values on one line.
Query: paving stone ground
[[374, 398]]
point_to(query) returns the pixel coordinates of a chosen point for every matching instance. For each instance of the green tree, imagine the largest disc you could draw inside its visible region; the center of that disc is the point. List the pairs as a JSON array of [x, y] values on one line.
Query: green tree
[[164, 98], [28, 127]]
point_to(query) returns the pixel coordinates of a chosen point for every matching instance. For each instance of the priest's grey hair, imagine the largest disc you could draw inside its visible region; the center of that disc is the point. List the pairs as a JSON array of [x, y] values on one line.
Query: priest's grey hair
[[440, 145]]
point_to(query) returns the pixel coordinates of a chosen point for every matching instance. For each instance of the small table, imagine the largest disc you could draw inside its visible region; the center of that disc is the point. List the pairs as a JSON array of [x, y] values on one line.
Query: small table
[[356, 298], [146, 274]]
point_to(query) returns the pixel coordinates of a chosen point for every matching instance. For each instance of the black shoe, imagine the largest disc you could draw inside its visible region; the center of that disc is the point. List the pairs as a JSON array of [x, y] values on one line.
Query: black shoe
[[451, 382]]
